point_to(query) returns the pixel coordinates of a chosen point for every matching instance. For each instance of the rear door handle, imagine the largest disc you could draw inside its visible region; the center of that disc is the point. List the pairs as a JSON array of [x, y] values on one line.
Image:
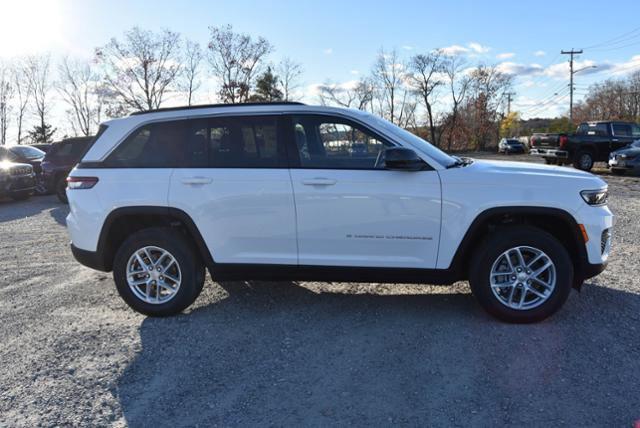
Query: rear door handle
[[319, 181], [196, 180]]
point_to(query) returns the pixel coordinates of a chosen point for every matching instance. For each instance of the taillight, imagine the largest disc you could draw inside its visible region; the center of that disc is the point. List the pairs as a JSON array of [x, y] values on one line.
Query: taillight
[[532, 141], [81, 182], [563, 141]]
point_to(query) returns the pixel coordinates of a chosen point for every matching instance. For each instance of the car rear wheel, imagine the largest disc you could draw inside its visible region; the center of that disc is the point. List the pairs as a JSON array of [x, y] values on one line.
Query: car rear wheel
[[521, 275], [583, 161], [157, 272], [550, 161], [61, 190]]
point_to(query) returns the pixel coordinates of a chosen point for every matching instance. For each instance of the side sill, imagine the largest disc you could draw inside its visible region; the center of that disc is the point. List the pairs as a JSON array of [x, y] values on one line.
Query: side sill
[[261, 272]]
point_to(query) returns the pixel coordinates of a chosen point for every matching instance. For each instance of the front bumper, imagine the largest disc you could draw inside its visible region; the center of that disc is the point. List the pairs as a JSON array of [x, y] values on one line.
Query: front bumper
[[17, 184], [550, 153], [625, 164]]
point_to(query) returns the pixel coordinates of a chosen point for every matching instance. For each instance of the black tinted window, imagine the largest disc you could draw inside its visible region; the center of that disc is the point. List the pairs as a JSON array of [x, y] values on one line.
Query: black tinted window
[[622, 130], [158, 145], [335, 143], [27, 152], [238, 142], [593, 129]]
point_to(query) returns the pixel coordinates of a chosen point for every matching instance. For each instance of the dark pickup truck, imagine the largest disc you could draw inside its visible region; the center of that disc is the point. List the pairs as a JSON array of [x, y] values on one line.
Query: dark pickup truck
[[592, 142]]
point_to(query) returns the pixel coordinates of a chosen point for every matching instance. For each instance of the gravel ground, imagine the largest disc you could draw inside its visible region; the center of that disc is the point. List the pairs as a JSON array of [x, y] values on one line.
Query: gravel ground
[[312, 354]]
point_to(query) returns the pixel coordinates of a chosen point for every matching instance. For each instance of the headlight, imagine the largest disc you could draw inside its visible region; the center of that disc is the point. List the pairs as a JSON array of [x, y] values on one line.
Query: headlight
[[595, 197]]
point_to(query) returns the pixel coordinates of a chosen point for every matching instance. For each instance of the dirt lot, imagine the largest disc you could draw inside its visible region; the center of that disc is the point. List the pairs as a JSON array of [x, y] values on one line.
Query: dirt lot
[[317, 354]]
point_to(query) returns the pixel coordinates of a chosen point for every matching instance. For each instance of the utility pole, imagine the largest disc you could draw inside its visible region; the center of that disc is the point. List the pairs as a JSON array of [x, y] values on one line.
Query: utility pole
[[509, 95], [571, 73]]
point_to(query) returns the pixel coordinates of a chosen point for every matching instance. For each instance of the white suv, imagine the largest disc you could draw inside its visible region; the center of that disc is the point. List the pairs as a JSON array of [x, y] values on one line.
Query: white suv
[[290, 191]]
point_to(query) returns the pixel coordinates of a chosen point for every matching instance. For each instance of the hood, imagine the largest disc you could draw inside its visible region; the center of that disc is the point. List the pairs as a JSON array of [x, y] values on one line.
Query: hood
[[530, 174], [629, 151]]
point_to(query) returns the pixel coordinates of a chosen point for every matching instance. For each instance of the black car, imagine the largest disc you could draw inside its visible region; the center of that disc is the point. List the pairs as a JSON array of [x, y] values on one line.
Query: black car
[[29, 155], [626, 159], [17, 180], [59, 161], [510, 145]]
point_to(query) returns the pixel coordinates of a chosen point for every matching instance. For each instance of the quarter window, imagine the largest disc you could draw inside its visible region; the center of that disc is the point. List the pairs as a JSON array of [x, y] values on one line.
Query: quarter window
[[335, 143]]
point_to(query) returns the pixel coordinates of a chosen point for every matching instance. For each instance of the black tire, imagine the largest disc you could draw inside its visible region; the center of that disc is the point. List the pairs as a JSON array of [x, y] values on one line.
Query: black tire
[[21, 196], [617, 171], [501, 241], [583, 160], [61, 190], [550, 161], [186, 257]]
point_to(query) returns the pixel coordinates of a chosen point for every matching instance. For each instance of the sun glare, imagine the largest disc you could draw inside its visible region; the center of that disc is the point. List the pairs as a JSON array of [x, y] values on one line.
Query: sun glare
[[30, 26]]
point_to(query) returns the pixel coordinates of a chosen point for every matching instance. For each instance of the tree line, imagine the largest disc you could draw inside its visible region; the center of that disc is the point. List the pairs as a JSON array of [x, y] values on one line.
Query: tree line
[[452, 103]]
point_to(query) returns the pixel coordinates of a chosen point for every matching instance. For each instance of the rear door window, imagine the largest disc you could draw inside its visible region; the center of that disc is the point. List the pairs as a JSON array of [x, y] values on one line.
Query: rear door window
[[622, 130], [598, 129]]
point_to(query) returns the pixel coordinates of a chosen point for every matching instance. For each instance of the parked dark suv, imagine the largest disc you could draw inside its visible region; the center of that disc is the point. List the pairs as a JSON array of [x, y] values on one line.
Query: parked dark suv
[[29, 155], [59, 161], [17, 180]]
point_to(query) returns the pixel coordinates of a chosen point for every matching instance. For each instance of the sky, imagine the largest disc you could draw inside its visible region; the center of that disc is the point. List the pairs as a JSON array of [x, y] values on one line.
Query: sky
[[339, 40]]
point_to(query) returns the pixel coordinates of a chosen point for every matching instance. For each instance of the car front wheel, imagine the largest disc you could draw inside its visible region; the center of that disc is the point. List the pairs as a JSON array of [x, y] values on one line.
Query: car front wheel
[[521, 274], [157, 272]]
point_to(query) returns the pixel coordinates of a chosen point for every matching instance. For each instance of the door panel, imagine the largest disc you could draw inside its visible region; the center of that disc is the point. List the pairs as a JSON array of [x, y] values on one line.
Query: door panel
[[244, 215], [367, 218], [236, 187]]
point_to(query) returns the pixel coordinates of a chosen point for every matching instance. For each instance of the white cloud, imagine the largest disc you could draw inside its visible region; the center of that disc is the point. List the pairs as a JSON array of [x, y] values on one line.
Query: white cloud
[[539, 53], [472, 49], [505, 55], [328, 51], [355, 72], [519, 69], [407, 48], [560, 71], [454, 50], [627, 67], [478, 48]]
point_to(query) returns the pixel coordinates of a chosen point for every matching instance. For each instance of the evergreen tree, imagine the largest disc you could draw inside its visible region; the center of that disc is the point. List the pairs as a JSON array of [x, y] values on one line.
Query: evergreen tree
[[42, 134], [267, 87]]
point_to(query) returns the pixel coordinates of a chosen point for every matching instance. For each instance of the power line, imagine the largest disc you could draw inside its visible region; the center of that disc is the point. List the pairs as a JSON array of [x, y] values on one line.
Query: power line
[[618, 39]]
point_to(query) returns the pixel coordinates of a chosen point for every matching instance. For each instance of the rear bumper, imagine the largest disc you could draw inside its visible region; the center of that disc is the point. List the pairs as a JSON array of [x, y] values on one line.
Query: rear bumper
[[549, 153], [91, 259]]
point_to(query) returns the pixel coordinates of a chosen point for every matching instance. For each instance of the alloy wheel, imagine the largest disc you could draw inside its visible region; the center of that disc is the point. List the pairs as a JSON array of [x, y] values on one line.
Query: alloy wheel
[[153, 275], [523, 278]]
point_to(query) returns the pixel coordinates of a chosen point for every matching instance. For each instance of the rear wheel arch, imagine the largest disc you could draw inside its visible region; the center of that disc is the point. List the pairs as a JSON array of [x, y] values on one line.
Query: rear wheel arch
[[557, 222], [122, 222]]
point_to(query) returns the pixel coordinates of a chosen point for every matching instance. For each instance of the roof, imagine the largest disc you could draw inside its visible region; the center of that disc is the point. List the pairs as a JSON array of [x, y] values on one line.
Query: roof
[[203, 106]]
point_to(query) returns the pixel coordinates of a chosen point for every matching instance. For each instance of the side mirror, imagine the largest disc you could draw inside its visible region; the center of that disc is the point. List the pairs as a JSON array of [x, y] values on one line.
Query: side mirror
[[402, 159]]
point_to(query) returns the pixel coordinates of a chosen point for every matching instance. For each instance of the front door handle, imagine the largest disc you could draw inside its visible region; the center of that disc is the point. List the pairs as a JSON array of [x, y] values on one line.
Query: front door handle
[[319, 181], [196, 180]]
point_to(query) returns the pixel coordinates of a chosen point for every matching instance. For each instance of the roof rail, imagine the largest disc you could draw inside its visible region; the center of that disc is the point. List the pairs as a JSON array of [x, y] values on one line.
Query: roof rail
[[200, 106]]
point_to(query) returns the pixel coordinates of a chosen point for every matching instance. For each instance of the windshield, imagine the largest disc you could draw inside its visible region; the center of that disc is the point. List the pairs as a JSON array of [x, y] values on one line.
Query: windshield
[[424, 146], [27, 152]]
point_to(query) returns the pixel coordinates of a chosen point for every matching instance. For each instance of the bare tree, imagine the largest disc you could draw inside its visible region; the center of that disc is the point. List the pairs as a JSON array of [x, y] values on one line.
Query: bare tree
[[426, 78], [289, 72], [6, 96], [190, 79], [140, 69], [38, 70], [458, 86], [357, 96], [488, 86], [22, 86], [78, 87], [390, 80], [236, 59]]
